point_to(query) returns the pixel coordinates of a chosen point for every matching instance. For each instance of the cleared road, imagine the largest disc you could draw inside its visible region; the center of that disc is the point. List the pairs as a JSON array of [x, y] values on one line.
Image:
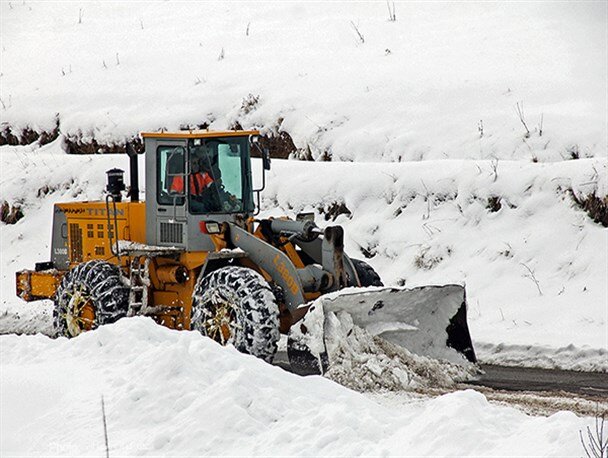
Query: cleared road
[[529, 379], [588, 384]]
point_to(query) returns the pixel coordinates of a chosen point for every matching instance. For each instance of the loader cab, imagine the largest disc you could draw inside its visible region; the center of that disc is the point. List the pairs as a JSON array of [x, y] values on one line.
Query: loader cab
[[192, 178]]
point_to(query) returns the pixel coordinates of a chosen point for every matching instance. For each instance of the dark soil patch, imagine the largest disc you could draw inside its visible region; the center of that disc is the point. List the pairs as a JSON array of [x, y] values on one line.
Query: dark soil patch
[[493, 204], [333, 210], [75, 145], [11, 136], [596, 207], [10, 214], [280, 145]]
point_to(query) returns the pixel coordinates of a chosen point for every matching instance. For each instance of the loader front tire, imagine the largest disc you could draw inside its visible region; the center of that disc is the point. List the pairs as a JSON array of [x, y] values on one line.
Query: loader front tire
[[90, 295], [235, 305]]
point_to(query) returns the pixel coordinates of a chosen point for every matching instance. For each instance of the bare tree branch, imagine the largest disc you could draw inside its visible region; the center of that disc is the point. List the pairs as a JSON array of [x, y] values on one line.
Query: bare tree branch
[[532, 277], [361, 37], [105, 427]]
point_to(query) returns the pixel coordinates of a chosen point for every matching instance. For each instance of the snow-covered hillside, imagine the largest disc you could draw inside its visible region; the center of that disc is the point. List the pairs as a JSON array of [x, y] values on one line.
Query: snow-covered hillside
[[443, 80], [497, 227]]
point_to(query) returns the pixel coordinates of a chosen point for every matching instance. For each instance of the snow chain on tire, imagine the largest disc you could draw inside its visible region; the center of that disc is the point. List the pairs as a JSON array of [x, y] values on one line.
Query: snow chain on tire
[[236, 305], [90, 295]]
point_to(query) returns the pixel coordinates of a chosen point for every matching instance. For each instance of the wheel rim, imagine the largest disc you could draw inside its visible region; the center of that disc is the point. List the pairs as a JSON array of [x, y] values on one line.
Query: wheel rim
[[220, 320], [79, 312]]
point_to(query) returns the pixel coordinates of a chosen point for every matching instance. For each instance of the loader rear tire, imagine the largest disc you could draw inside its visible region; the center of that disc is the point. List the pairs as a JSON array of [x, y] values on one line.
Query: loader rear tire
[[366, 273], [90, 295], [235, 305]]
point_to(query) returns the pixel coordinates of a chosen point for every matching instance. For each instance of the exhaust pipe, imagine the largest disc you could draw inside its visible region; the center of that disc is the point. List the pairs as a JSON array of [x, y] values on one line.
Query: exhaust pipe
[[133, 173]]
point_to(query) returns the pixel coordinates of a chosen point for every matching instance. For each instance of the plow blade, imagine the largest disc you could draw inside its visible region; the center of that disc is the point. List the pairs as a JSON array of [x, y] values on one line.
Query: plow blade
[[430, 321]]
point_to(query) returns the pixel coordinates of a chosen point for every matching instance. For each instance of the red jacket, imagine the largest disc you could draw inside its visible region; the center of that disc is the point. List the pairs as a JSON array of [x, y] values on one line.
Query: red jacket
[[198, 183]]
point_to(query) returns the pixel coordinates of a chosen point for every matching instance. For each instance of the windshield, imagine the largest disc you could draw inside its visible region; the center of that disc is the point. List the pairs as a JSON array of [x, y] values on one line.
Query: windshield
[[220, 176]]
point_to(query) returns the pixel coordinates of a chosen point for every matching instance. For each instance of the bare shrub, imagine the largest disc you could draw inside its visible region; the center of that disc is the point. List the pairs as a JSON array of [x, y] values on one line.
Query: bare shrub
[[595, 441], [493, 204], [573, 152], [76, 145], [532, 276], [28, 135], [10, 214], [494, 164], [305, 154], [279, 145], [595, 206], [105, 427], [392, 17], [359, 34], [370, 251], [520, 113], [426, 260], [333, 210], [249, 103]]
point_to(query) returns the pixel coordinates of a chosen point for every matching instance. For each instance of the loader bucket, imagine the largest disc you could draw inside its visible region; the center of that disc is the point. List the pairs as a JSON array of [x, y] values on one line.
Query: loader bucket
[[429, 321]]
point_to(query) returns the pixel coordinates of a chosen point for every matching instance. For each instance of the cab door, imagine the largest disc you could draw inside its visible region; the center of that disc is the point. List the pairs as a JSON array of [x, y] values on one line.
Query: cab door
[[166, 176]]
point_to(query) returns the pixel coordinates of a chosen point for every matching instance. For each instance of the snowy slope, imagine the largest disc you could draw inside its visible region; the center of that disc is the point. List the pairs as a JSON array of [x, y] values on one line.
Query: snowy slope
[[178, 393], [443, 80], [424, 223]]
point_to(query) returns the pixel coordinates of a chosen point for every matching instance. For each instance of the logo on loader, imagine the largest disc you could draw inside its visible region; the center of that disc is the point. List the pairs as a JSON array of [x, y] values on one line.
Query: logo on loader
[[284, 272]]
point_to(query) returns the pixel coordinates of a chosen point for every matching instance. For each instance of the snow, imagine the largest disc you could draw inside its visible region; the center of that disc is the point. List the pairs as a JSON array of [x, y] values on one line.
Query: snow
[[177, 393], [421, 122], [433, 210], [420, 87], [428, 223], [413, 319]]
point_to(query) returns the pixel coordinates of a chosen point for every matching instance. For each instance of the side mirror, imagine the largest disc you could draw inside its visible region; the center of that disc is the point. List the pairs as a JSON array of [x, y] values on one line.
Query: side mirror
[[266, 159], [254, 141]]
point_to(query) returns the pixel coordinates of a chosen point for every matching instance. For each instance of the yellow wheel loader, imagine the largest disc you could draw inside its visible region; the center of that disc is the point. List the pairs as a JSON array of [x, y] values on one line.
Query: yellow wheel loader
[[194, 256]]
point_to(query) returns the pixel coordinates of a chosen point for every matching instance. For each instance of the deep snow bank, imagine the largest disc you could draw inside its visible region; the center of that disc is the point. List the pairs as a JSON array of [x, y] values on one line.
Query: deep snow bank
[[422, 223], [443, 80], [178, 393]]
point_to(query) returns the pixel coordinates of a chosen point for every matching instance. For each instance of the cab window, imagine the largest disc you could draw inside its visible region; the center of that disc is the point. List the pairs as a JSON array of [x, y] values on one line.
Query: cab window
[[171, 171], [220, 176], [229, 162]]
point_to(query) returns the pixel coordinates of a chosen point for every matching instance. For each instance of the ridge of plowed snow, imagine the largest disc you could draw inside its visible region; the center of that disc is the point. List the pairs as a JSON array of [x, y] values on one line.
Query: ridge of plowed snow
[[178, 393]]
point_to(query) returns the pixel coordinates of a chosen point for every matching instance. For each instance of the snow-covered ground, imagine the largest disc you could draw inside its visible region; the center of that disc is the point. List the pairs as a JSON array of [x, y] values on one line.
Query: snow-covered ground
[[442, 181], [180, 394]]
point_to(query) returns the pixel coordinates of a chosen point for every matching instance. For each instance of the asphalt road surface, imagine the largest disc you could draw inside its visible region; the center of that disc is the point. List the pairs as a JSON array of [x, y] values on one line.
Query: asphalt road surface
[[588, 384], [592, 384]]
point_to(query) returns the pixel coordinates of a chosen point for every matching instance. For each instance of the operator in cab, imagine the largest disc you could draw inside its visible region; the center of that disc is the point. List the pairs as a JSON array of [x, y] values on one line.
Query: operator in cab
[[199, 180]]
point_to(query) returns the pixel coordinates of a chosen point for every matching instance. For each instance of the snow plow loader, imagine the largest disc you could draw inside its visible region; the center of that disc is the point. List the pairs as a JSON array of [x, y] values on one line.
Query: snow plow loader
[[194, 256]]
